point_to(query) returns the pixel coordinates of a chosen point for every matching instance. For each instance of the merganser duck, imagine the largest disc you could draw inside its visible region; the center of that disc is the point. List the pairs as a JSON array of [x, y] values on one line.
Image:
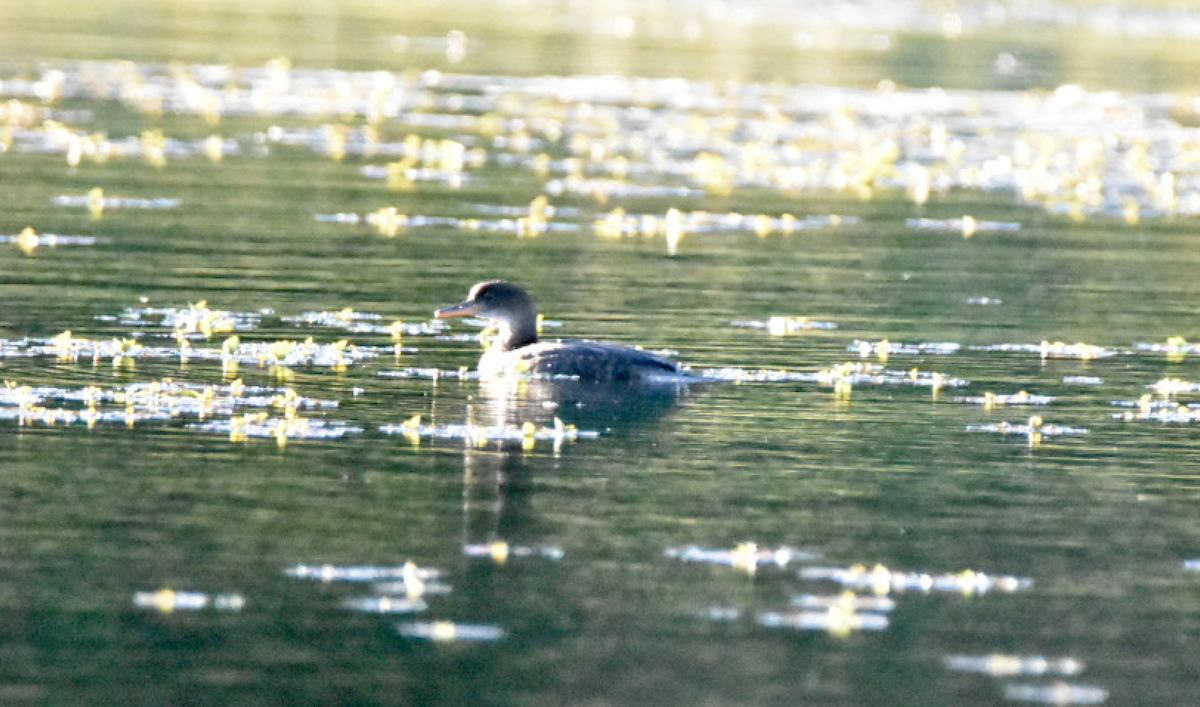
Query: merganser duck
[[516, 350]]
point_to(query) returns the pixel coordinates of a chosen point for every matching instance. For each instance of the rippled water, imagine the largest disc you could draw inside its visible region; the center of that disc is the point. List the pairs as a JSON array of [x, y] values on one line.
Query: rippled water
[[953, 327]]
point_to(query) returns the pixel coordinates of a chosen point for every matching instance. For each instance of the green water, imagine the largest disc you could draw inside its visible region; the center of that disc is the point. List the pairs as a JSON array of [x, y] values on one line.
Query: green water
[[1101, 523]]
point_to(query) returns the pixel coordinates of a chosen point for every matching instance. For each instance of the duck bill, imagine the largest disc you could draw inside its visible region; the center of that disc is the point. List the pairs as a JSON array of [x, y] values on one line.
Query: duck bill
[[462, 309]]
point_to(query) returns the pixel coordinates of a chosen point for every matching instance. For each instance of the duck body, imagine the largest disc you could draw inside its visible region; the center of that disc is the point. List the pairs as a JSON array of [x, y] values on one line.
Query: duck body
[[517, 350], [583, 360]]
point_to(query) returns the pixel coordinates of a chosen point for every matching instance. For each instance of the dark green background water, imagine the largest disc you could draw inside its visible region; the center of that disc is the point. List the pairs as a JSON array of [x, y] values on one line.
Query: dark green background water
[[1101, 523]]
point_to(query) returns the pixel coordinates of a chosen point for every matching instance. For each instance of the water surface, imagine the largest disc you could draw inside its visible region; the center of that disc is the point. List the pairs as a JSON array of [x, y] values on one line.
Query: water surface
[[832, 442]]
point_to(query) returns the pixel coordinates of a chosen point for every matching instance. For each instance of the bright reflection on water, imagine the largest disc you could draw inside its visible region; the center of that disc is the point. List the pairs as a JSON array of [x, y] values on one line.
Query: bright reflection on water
[[949, 460]]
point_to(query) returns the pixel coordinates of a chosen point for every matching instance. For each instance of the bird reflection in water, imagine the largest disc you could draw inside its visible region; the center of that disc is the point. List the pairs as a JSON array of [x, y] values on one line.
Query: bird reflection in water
[[498, 477], [610, 409]]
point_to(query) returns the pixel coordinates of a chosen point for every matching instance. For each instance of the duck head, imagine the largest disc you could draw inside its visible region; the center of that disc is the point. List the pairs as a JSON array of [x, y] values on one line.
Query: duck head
[[506, 304]]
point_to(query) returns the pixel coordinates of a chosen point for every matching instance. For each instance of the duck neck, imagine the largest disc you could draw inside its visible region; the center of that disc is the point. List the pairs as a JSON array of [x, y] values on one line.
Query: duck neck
[[516, 334]]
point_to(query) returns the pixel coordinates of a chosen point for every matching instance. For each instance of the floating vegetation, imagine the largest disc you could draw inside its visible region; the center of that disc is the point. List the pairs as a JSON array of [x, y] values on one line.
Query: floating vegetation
[[403, 179], [1056, 693], [881, 580], [281, 355], [838, 620], [990, 400], [387, 220], [527, 434], [434, 374], [747, 557], [719, 614], [605, 190], [531, 221], [1055, 349], [171, 600], [538, 217], [450, 631], [785, 326], [390, 223], [1147, 409], [442, 160], [365, 323], [1004, 665], [30, 240], [60, 417], [839, 614], [1082, 380], [67, 347], [848, 600], [197, 320], [985, 301], [967, 225], [1160, 406], [735, 374], [1170, 387], [1174, 346], [384, 605], [1147, 403], [675, 224], [414, 583], [883, 349], [186, 398], [659, 138], [842, 377], [400, 589], [1081, 351], [200, 321], [406, 572], [304, 354], [281, 428], [500, 551], [97, 202], [540, 208], [160, 400], [1034, 430], [848, 611]]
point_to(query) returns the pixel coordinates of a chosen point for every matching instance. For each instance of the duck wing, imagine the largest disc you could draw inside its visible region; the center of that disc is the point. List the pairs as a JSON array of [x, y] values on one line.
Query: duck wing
[[595, 361]]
